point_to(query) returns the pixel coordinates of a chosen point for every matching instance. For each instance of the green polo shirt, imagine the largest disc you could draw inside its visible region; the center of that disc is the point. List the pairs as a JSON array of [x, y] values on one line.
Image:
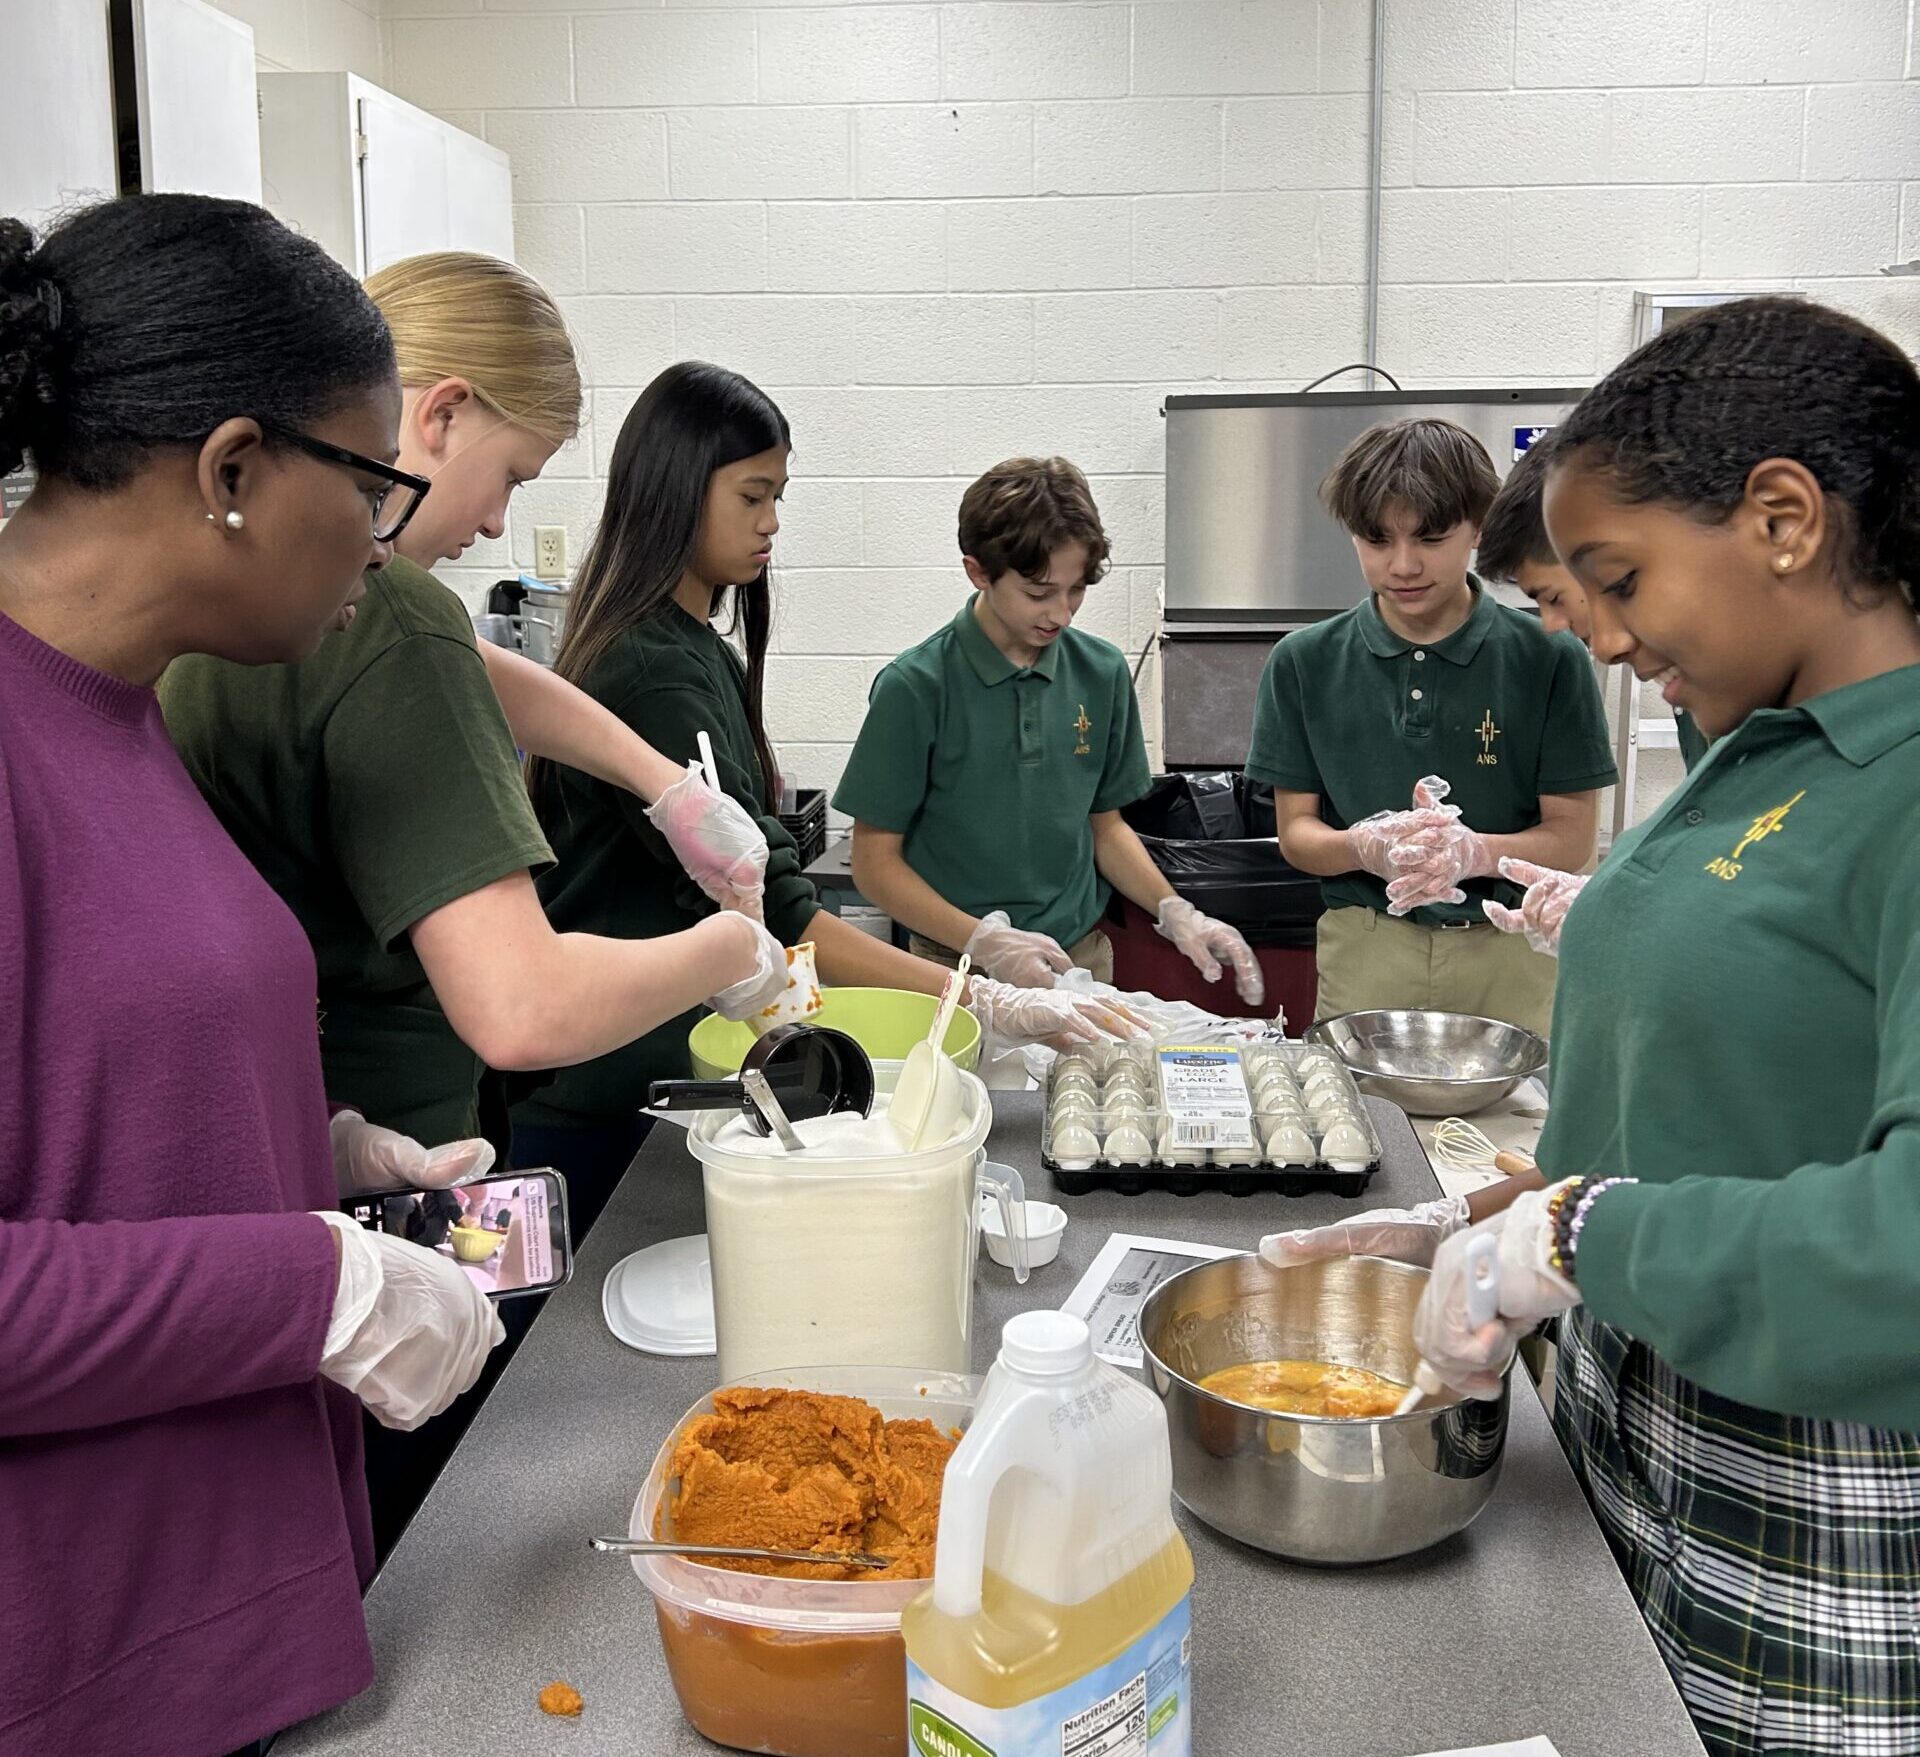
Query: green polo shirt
[[1693, 742], [369, 785], [1503, 710], [1738, 1026], [992, 771], [669, 680]]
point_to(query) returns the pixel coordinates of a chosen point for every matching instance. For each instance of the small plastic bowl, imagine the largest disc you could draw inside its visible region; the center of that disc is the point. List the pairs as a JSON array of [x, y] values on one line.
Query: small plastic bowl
[[1045, 1225]]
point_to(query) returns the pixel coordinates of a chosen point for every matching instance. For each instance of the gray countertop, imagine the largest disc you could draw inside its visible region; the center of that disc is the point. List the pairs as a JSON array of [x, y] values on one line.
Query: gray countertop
[[1519, 1625]]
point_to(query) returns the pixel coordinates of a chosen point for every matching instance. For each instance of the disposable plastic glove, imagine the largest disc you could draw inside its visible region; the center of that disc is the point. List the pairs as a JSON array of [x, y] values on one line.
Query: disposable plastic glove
[[1527, 1288], [367, 1157], [716, 840], [410, 1331], [1004, 952], [1205, 942], [1371, 842], [751, 994], [1406, 1235], [1054, 1017], [1543, 910], [1430, 863]]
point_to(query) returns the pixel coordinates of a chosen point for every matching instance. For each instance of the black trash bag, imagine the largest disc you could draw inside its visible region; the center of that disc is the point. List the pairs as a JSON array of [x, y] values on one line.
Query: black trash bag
[[1211, 833]]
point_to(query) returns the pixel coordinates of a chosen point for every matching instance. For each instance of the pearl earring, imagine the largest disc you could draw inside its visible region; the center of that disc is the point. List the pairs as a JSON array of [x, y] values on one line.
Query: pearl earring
[[1781, 563], [235, 519]]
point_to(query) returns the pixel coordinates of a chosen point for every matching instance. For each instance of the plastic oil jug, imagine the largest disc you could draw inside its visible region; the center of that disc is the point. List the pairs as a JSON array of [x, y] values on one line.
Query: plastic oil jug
[[1057, 1621]]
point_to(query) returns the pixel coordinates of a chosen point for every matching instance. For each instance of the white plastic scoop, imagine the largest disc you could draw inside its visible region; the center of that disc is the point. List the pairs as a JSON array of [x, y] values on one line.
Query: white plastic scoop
[[1483, 1306], [928, 1097]]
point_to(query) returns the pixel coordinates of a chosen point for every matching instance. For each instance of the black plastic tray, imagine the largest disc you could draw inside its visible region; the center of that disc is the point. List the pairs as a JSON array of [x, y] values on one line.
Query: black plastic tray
[[1198, 1180]]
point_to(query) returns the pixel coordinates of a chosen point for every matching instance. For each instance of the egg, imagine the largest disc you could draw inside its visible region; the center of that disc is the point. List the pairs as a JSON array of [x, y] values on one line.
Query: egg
[[1075, 1145], [1321, 1079], [1175, 1153], [1074, 1079], [1345, 1147], [1076, 1064], [1127, 1144], [1072, 1104], [1128, 1074], [1330, 1104], [1274, 1086], [1290, 1144], [1123, 1110]]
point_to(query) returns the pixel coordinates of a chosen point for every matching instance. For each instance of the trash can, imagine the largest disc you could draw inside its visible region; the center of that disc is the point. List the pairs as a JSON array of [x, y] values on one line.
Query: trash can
[[1212, 834]]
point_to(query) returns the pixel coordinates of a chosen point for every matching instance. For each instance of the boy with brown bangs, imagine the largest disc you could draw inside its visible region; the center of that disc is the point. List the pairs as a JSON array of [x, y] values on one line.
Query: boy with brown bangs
[[987, 782], [1514, 546], [1418, 740]]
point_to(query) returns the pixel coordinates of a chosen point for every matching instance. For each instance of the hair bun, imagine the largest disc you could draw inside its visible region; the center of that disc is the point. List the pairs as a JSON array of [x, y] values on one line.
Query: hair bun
[[31, 318]]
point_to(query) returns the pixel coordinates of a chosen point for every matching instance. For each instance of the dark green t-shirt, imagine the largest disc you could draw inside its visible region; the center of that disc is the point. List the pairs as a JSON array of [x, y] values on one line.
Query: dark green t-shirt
[[1500, 708], [668, 680], [370, 785], [1693, 742], [1737, 1025], [991, 771]]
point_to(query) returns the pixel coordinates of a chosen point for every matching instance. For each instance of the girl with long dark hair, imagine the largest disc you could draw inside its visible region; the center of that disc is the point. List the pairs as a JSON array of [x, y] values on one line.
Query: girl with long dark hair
[[680, 560]]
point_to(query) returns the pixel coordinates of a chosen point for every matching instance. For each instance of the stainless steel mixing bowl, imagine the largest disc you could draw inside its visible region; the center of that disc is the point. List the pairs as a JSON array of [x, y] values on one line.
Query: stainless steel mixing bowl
[[1432, 1064], [1314, 1488]]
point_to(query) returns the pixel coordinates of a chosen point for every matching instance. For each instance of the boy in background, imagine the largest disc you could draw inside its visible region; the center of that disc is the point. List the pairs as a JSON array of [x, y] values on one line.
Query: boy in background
[[1420, 738], [987, 781], [1514, 546]]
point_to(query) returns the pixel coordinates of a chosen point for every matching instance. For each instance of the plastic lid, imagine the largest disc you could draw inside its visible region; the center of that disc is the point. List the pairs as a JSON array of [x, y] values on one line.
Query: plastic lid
[[660, 1300], [1046, 1342]]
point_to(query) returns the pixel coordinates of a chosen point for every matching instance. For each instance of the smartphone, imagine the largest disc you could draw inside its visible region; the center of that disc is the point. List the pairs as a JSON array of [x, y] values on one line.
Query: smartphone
[[506, 1233]]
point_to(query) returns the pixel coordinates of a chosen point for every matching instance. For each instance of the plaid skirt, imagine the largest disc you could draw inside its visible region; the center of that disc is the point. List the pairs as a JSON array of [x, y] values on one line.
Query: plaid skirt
[[1776, 1559]]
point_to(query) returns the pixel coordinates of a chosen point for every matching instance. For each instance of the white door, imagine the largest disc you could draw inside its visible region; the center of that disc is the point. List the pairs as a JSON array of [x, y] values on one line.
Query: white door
[[198, 105], [56, 110], [426, 186]]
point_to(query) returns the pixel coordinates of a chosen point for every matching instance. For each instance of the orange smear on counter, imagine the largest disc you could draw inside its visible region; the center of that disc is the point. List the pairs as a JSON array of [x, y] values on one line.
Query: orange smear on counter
[[561, 1699]]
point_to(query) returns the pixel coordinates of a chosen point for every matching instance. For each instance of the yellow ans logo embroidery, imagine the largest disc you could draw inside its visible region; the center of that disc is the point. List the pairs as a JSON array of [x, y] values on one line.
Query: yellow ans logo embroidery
[[1768, 823], [1488, 733], [1083, 726]]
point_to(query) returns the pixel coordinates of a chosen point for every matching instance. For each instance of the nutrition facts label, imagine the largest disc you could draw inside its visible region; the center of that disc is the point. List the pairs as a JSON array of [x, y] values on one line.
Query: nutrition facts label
[[1116, 1726], [1206, 1096], [1109, 1296]]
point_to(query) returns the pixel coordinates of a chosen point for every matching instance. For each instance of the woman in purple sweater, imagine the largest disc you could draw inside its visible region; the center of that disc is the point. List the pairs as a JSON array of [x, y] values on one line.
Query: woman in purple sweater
[[185, 1316]]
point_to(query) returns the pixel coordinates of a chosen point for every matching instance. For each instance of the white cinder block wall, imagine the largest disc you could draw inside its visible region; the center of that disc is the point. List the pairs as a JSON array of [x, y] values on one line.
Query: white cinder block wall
[[940, 234]]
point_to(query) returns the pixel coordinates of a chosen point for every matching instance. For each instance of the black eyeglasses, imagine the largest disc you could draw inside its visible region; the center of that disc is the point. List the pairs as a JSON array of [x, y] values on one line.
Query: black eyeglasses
[[392, 507]]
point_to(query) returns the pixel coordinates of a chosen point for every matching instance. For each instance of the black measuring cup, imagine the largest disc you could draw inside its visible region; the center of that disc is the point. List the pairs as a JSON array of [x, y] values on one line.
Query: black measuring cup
[[812, 1069]]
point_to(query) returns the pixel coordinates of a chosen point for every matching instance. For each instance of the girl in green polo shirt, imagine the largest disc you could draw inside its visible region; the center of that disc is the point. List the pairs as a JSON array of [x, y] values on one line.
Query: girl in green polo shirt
[[682, 554], [1735, 1239]]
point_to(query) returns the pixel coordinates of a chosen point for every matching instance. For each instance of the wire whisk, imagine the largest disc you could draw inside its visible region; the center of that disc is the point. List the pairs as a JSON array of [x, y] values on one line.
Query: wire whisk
[[1460, 1146]]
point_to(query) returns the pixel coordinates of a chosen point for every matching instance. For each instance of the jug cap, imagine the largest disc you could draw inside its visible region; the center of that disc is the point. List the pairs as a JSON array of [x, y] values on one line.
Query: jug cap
[[1046, 1342]]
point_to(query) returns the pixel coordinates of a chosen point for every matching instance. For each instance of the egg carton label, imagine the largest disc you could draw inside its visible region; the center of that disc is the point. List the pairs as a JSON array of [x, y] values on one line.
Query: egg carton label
[[1205, 1091], [1137, 1705]]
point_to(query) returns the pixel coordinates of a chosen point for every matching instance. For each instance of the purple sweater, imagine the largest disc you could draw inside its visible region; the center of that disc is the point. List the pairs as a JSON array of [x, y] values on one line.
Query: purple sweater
[[183, 1525]]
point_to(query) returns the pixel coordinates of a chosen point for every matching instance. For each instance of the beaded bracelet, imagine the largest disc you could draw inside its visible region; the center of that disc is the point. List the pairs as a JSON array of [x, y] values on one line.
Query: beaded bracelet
[[1580, 1210], [1558, 1213]]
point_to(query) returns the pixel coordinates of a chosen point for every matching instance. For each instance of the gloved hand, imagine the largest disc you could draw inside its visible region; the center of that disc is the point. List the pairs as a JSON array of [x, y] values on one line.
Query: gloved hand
[[768, 980], [1056, 1018], [410, 1331], [1430, 862], [716, 840], [1543, 910], [367, 1157], [1027, 960], [1371, 842], [1406, 1235], [1206, 941], [1527, 1289]]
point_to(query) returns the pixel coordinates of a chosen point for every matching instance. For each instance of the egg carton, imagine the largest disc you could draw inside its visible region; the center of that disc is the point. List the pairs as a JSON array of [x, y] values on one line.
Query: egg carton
[[1107, 1126]]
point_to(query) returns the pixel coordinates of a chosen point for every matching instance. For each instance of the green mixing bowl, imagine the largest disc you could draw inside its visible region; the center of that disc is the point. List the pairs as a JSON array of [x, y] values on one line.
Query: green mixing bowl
[[885, 1022]]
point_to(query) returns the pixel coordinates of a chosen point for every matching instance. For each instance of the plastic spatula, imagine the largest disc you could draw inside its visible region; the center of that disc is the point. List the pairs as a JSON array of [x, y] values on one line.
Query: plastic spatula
[[1483, 1306], [928, 1097]]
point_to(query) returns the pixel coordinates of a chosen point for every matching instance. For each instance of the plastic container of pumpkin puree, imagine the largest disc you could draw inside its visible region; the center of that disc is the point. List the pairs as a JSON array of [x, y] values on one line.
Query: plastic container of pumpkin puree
[[794, 1668]]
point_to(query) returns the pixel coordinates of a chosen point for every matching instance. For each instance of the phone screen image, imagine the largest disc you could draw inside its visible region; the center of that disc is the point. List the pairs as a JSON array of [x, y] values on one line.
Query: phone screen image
[[507, 1234]]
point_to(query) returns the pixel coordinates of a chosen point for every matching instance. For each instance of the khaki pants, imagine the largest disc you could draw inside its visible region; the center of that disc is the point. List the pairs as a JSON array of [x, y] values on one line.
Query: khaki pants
[[1370, 959], [1094, 953]]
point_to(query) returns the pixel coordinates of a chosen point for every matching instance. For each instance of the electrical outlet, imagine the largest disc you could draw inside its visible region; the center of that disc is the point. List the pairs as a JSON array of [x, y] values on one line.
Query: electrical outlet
[[549, 552]]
